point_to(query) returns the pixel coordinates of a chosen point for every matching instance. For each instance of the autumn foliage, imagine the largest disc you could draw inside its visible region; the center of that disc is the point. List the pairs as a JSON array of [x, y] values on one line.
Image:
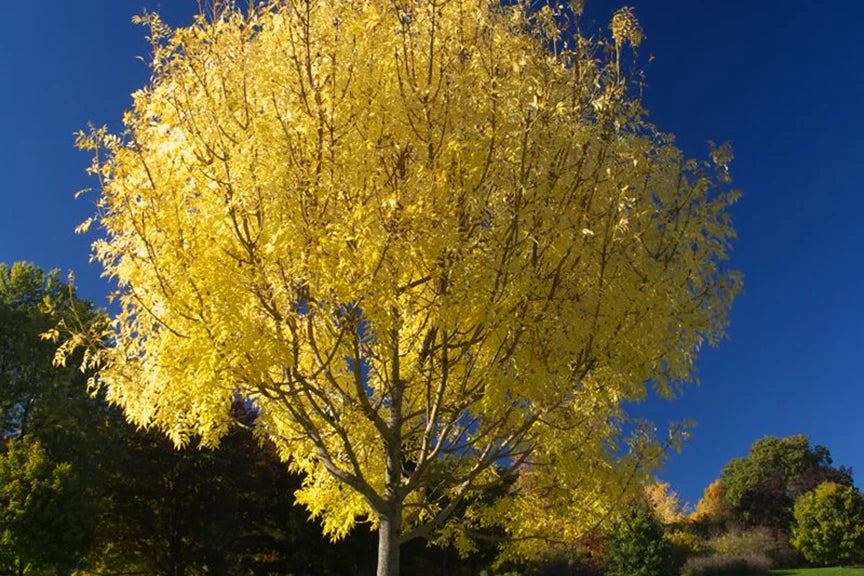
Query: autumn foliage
[[430, 241], [712, 507]]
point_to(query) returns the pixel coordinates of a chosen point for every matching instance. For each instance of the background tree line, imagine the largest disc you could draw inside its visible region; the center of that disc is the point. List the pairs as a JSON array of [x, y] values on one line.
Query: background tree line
[[784, 505]]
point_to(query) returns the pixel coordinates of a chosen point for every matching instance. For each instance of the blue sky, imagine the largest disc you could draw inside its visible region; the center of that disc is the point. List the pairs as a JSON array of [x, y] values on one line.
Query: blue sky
[[780, 79]]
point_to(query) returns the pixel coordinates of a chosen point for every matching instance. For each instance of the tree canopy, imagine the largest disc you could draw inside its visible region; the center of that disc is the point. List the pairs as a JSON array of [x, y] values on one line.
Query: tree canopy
[[829, 524], [762, 487], [432, 242]]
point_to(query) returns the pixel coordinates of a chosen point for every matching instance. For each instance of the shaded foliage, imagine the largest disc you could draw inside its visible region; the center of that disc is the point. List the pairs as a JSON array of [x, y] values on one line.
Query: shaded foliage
[[684, 545], [46, 512], [51, 429], [227, 510]]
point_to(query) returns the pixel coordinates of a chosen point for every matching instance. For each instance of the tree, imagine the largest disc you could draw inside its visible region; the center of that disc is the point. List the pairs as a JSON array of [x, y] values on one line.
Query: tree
[[50, 429], [665, 502], [763, 487], [637, 546], [45, 511], [31, 303], [432, 242], [712, 508], [829, 524], [37, 398]]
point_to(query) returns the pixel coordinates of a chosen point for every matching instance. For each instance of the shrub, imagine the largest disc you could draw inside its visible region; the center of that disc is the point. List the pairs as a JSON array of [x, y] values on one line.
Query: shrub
[[683, 546], [717, 565], [637, 546], [744, 543], [758, 541]]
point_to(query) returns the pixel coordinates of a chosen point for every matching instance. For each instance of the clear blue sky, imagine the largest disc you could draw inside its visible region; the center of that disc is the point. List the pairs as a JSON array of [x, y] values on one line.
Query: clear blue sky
[[781, 79]]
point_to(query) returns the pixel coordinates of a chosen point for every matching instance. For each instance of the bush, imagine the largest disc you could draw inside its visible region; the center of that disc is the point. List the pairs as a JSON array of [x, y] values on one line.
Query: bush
[[717, 565], [683, 546], [637, 546], [758, 541], [744, 543]]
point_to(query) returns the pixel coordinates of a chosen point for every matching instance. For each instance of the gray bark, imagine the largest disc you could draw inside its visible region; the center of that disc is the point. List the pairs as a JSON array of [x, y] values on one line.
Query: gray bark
[[389, 530]]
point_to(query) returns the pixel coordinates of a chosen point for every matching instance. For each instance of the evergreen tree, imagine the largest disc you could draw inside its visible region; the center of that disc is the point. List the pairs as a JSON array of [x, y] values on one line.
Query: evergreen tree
[[637, 546]]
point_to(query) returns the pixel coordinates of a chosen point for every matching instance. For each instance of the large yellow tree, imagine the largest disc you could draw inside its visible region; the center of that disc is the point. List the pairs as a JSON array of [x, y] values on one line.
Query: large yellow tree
[[432, 241]]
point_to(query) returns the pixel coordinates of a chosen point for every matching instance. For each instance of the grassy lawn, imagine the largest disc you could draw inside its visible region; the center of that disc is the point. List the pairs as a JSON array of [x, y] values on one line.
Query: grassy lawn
[[858, 571], [853, 571]]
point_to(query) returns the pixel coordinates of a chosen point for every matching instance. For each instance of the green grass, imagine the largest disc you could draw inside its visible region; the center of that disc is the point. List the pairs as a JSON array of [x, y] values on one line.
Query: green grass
[[852, 571], [859, 571]]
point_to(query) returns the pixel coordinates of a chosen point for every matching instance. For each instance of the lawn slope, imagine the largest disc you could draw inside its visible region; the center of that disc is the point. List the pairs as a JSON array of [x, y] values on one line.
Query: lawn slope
[[852, 571]]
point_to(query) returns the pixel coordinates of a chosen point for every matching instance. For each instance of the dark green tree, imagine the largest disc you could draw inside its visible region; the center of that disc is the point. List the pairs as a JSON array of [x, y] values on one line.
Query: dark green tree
[[763, 486], [50, 429], [45, 511], [637, 546]]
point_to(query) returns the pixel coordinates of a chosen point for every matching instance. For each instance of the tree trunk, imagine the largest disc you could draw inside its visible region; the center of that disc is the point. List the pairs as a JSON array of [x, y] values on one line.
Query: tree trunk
[[389, 530], [390, 518]]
